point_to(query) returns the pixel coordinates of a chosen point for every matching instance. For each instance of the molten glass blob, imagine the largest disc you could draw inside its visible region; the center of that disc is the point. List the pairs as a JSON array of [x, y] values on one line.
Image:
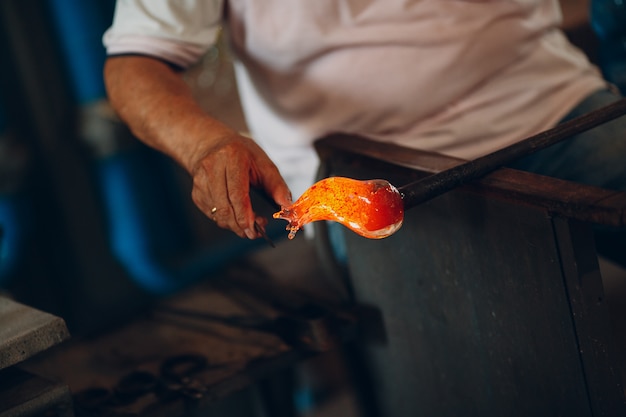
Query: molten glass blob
[[371, 208]]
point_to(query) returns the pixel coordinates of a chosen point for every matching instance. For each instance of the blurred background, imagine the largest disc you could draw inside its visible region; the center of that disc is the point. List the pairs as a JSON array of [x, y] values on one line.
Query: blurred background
[[95, 225]]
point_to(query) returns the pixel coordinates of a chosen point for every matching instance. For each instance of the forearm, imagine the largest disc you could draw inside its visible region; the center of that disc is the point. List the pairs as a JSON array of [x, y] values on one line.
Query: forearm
[[159, 108]]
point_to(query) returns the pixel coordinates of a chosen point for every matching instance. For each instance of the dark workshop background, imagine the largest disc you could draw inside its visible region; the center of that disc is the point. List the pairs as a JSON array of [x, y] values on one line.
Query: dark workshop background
[[95, 225]]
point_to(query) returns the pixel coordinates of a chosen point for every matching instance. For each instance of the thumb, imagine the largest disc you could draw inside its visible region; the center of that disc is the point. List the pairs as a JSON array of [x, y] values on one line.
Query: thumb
[[277, 190]]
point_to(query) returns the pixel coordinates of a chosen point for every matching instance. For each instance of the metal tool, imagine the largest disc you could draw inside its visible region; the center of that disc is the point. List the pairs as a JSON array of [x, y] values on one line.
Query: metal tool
[[174, 380], [433, 185], [261, 230]]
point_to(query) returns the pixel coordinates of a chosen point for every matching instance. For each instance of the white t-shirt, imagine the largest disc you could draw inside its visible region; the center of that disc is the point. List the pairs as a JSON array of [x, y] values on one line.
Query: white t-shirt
[[460, 77]]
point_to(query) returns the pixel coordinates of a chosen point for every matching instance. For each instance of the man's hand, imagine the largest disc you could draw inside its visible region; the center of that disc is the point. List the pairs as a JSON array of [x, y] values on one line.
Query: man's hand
[[221, 183], [158, 106]]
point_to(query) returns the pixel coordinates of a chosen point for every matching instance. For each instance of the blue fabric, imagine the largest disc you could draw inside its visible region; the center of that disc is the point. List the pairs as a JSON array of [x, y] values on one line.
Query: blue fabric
[[16, 223], [80, 25], [337, 242], [608, 20], [147, 228], [596, 157]]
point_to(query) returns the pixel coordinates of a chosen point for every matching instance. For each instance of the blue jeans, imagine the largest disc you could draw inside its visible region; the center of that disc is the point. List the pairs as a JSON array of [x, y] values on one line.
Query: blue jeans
[[596, 157]]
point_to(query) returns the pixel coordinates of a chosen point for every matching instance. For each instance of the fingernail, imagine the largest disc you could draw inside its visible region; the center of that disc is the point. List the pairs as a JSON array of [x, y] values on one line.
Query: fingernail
[[251, 234]]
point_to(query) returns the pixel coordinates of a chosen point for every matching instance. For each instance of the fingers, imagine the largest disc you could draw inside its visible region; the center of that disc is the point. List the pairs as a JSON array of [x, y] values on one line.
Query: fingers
[[210, 197], [268, 178], [222, 186], [238, 195], [222, 194], [279, 191]]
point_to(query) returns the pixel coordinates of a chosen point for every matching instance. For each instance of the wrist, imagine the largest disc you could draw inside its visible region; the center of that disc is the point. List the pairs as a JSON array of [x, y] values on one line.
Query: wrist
[[197, 140]]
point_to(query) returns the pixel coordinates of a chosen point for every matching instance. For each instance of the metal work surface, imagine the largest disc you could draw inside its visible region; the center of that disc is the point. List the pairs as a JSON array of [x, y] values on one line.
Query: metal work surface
[[492, 304], [25, 331]]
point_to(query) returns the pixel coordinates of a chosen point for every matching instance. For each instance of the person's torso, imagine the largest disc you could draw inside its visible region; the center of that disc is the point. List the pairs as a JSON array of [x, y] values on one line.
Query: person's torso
[[458, 77]]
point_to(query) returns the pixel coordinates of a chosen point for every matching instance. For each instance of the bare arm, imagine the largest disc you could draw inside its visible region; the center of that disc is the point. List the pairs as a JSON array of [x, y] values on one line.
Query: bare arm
[[158, 106]]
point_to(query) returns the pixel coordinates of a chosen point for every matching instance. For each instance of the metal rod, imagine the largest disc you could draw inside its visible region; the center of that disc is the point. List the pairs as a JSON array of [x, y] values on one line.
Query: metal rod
[[436, 184]]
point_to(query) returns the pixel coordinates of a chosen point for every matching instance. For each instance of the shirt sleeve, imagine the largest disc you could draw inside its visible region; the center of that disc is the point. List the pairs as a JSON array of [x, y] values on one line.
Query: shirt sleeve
[[177, 31]]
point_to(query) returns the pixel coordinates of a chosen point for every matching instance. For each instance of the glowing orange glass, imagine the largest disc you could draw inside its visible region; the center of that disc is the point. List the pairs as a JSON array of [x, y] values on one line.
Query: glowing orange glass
[[372, 208]]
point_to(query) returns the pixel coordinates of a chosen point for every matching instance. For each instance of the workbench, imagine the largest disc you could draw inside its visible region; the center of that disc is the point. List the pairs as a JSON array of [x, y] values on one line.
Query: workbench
[[490, 296]]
